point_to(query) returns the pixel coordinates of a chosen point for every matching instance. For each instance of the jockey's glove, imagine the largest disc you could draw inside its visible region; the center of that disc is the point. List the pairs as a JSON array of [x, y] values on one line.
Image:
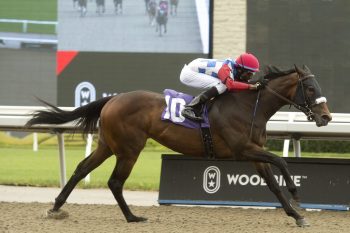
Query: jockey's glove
[[256, 86]]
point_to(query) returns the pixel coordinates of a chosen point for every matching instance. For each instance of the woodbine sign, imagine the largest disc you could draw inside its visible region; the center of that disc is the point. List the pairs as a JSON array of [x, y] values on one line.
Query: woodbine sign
[[322, 183]]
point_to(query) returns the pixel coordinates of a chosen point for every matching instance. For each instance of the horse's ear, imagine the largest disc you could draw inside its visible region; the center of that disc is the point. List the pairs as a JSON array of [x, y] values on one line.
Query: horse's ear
[[297, 69], [306, 69]]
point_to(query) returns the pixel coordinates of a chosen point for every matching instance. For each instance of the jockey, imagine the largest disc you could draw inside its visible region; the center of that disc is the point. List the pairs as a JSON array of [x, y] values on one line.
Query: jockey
[[163, 5], [217, 76]]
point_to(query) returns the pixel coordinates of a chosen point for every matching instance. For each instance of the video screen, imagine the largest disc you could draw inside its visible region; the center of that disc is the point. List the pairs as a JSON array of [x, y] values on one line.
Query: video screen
[[28, 43], [154, 26], [106, 47]]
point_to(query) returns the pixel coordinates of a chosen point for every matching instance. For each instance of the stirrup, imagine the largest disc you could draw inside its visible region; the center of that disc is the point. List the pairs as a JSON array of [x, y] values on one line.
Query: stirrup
[[190, 114]]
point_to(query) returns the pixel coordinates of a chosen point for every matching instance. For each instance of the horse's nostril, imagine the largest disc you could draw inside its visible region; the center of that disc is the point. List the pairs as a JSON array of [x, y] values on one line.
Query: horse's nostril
[[326, 118]]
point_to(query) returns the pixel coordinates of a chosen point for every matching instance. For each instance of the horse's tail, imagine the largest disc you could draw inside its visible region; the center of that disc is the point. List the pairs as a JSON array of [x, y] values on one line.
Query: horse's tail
[[86, 116]]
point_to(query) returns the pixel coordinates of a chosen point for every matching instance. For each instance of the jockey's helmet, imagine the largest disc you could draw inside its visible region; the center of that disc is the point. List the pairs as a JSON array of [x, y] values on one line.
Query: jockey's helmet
[[248, 61]]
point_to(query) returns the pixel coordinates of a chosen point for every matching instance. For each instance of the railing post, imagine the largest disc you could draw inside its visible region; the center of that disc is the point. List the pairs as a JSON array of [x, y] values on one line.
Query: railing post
[[291, 117], [87, 153], [297, 148], [25, 25], [286, 147], [35, 142], [62, 156]]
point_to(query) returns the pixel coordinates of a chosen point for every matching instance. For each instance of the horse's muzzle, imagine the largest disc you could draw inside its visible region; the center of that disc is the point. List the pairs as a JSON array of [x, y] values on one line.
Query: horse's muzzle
[[322, 120]]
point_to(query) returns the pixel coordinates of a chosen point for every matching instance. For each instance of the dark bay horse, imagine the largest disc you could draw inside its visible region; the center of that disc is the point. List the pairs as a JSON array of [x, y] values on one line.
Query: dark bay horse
[[162, 18], [152, 11], [100, 7], [173, 7], [129, 119], [118, 6], [82, 7]]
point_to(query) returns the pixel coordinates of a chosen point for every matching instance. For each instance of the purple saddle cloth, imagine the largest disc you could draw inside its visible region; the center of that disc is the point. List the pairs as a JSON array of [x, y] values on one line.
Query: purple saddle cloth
[[175, 103]]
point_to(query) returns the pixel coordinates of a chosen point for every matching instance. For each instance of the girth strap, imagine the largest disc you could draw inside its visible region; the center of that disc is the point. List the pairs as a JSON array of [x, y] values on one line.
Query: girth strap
[[208, 143]]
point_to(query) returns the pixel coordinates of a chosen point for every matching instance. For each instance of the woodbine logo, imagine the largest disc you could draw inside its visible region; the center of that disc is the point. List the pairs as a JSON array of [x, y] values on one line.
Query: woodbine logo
[[85, 93], [212, 179]]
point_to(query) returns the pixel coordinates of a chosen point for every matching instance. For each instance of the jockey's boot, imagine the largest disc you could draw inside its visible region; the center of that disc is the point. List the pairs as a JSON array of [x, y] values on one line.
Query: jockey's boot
[[193, 110]]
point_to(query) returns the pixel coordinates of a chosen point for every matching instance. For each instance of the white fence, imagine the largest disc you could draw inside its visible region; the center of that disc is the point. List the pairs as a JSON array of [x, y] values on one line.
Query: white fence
[[29, 38], [25, 23], [283, 125]]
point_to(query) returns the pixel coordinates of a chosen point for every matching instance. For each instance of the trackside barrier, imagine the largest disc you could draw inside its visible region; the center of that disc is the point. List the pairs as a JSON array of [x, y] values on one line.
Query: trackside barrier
[[25, 23], [321, 183], [13, 118], [294, 125], [30, 40]]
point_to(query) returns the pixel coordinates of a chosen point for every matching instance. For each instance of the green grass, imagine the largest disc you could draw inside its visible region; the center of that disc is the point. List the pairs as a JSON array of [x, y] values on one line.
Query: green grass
[[22, 166], [44, 10], [317, 155]]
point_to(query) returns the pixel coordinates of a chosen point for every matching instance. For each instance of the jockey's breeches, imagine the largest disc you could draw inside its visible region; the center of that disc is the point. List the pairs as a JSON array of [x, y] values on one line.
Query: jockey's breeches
[[200, 80]]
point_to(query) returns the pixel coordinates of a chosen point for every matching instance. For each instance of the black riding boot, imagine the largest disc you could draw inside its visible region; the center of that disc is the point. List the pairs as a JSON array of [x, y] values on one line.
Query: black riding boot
[[193, 110]]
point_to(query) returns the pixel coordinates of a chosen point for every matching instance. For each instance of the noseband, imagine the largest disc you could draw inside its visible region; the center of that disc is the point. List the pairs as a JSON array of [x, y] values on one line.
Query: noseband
[[306, 104]]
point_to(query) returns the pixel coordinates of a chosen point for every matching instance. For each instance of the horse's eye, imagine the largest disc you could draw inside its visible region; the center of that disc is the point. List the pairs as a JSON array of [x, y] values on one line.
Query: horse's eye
[[311, 90]]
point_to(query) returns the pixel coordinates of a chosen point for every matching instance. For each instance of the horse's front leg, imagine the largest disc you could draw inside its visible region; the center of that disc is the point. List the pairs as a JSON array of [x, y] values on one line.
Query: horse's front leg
[[259, 155], [265, 171]]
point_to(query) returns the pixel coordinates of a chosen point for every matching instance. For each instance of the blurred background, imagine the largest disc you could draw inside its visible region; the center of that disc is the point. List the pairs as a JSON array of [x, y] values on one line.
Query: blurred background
[[121, 51]]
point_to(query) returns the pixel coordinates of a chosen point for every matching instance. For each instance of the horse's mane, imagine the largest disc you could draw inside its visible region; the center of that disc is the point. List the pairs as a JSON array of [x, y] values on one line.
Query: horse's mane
[[272, 72]]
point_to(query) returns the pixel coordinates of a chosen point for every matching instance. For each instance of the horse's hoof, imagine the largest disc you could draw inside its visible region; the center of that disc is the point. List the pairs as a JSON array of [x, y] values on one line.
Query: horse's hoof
[[136, 219], [58, 214], [302, 222]]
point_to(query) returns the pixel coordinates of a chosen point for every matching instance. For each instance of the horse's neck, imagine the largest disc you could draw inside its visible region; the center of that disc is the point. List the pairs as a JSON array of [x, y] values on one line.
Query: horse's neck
[[244, 103], [284, 86]]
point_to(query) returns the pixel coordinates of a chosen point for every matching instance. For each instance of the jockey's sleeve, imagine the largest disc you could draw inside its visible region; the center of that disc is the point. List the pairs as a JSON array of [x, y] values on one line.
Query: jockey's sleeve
[[224, 75]]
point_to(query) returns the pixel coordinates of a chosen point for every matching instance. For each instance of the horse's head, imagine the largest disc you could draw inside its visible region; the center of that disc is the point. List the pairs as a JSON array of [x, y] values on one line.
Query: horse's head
[[307, 96]]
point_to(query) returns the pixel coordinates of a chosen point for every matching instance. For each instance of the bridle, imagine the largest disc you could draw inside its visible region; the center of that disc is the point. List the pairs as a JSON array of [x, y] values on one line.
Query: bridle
[[306, 104]]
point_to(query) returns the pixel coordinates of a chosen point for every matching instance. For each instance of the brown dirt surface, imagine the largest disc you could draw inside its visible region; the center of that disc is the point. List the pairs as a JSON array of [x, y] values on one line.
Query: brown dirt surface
[[30, 217]]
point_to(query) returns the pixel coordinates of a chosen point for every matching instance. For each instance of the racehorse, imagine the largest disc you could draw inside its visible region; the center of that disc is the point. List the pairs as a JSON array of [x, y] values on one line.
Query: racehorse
[[173, 7], [74, 3], [82, 7], [152, 10], [100, 7], [146, 6], [162, 19], [238, 127], [118, 6]]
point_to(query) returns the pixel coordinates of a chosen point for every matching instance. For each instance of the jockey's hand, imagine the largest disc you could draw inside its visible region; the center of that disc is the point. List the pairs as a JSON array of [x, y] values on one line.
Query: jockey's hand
[[256, 86]]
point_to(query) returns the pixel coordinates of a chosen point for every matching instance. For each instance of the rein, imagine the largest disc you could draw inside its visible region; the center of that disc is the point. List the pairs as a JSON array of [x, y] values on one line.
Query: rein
[[254, 113], [306, 110]]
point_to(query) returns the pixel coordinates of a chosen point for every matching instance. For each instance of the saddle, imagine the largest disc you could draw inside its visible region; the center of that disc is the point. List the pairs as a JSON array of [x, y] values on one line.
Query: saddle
[[175, 102]]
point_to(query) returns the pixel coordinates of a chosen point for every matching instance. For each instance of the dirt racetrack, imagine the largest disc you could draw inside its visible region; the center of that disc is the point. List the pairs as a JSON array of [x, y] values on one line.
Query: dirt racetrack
[[29, 217]]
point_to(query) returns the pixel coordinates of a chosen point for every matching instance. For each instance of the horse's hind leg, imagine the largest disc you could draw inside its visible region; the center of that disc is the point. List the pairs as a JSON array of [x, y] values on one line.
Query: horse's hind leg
[[84, 168], [116, 182]]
